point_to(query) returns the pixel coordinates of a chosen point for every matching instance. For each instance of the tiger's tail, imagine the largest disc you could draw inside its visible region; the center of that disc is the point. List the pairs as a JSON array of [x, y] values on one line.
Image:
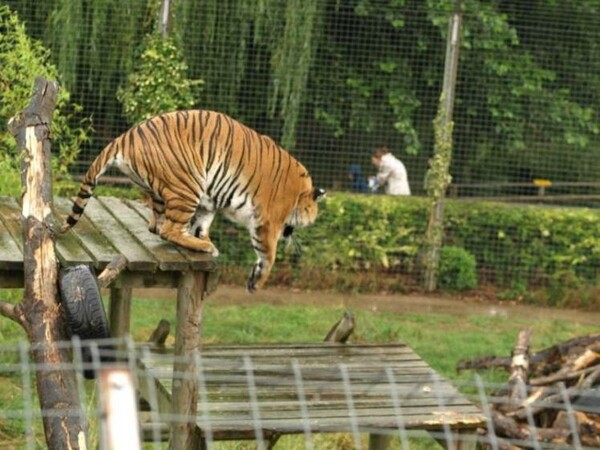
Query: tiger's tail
[[86, 188]]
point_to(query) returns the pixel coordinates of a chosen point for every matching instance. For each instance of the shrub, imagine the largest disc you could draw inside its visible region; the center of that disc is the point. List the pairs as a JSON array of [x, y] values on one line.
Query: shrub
[[22, 60], [515, 247], [159, 83], [457, 269], [10, 181]]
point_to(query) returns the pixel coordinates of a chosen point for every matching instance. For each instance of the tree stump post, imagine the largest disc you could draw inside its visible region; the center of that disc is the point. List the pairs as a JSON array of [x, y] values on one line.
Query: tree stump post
[[39, 311], [186, 387]]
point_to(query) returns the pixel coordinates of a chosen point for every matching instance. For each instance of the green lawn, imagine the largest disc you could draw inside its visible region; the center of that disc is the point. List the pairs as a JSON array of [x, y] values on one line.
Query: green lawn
[[441, 340]]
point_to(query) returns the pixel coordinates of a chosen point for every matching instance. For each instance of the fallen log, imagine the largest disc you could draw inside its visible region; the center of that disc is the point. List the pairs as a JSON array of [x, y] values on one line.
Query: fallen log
[[559, 406], [540, 361]]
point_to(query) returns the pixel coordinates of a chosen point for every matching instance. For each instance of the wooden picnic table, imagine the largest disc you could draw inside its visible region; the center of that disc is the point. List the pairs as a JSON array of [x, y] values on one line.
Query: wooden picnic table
[[266, 391]]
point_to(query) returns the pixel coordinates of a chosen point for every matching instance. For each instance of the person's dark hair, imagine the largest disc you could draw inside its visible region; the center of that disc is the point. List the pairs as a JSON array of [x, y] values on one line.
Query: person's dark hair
[[380, 151]]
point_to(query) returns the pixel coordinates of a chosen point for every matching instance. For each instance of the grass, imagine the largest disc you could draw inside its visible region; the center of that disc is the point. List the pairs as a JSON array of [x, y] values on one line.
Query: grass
[[441, 340]]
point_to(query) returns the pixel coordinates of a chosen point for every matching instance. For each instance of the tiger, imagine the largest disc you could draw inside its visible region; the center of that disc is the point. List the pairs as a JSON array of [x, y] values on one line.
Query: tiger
[[193, 163]]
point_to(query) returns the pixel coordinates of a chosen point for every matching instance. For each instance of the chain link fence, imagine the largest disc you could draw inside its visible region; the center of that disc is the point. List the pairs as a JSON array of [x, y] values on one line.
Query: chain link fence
[[333, 80]]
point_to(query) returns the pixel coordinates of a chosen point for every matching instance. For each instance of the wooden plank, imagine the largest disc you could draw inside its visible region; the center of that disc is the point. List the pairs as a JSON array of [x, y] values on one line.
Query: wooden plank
[[10, 211], [281, 376], [138, 258], [240, 429], [307, 349], [455, 414], [198, 260], [120, 312], [291, 408], [68, 250], [11, 257], [89, 237], [167, 255]]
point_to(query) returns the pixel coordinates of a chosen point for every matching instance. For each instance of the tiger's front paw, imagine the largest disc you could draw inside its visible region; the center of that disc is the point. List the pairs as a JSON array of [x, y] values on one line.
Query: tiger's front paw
[[255, 273]]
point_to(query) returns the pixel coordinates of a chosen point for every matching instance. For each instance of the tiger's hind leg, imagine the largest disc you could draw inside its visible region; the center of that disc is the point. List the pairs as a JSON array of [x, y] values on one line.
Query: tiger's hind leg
[[176, 229], [264, 240], [158, 215]]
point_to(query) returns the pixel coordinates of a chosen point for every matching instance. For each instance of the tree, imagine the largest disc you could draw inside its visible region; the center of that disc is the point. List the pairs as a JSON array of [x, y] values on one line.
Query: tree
[[22, 60]]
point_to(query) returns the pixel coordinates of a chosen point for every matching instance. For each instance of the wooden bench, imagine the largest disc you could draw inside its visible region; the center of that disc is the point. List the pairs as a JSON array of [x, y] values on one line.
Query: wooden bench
[[265, 391]]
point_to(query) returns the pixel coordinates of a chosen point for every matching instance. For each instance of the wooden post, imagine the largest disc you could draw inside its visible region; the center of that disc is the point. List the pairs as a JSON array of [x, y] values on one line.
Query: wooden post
[[184, 401], [120, 311], [164, 24], [39, 311], [119, 415]]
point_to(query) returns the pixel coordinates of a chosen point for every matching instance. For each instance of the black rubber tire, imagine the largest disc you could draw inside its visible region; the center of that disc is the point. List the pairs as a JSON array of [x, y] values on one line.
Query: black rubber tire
[[85, 314], [82, 303]]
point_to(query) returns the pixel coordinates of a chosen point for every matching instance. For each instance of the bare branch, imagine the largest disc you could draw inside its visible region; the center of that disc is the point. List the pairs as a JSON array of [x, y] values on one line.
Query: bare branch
[[13, 312], [112, 271]]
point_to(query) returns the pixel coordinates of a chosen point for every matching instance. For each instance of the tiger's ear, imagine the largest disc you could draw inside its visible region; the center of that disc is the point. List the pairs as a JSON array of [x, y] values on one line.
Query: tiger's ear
[[318, 194]]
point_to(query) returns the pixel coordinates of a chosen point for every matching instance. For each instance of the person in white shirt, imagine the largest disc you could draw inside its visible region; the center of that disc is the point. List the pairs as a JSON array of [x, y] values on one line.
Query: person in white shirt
[[392, 173]]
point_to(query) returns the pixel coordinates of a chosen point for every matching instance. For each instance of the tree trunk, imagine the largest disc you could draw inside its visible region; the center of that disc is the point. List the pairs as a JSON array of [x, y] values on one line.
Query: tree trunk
[[39, 311]]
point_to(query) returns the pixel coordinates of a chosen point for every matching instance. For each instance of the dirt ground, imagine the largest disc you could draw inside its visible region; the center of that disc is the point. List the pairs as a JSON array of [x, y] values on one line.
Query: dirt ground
[[399, 303]]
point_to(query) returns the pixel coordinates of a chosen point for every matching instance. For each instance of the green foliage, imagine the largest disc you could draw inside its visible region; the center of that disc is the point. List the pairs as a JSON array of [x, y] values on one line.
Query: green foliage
[[159, 83], [22, 60], [365, 89], [457, 269], [515, 247], [93, 45], [10, 181], [351, 75], [524, 110], [291, 61]]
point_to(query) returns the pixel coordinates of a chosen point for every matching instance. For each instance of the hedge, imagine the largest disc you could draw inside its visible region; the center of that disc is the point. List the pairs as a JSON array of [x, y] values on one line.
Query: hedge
[[514, 246]]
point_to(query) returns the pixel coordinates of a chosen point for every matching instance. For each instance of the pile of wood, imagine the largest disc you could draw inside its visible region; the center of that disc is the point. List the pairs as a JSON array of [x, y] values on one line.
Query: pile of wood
[[551, 396]]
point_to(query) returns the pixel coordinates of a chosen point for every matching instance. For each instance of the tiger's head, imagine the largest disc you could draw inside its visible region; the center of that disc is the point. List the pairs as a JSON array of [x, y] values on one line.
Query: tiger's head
[[306, 210]]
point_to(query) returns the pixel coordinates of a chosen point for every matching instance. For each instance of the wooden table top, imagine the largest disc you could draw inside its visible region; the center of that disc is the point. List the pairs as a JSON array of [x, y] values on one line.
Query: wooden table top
[[345, 388], [108, 227]]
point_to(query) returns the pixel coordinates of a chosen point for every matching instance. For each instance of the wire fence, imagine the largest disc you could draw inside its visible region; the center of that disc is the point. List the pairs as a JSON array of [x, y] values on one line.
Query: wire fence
[[334, 80], [369, 73], [294, 402]]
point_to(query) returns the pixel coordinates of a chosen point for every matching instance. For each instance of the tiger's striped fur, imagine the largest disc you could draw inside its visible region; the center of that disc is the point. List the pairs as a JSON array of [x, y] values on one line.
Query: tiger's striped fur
[[193, 163]]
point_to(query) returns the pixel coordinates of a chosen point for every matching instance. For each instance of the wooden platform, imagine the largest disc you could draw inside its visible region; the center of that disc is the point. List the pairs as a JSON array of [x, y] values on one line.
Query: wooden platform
[[250, 390], [109, 227]]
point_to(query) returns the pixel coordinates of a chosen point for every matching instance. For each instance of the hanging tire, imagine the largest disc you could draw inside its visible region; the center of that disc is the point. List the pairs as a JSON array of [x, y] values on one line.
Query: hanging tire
[[85, 314]]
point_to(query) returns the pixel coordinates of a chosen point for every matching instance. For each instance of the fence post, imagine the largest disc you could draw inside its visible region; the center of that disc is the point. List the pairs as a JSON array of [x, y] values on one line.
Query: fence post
[[438, 176], [39, 311], [165, 18]]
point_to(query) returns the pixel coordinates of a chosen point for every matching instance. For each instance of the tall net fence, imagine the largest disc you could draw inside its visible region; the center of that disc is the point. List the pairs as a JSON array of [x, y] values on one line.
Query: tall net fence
[[331, 81]]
